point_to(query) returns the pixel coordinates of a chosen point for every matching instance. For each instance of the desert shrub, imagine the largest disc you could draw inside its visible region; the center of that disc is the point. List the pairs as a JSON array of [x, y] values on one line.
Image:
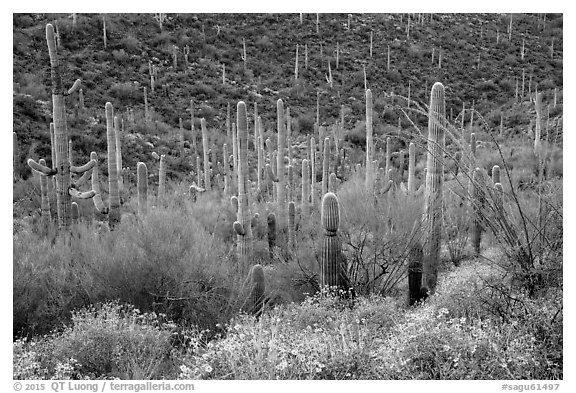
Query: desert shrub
[[116, 341], [276, 347], [32, 84], [455, 226], [131, 43], [159, 263], [378, 234], [124, 91], [109, 341]]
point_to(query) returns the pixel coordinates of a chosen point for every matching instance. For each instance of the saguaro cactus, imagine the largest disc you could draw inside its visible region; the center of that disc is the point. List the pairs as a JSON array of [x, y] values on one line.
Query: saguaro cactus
[[226, 169], [478, 203], [45, 203], [369, 183], [291, 225], [62, 168], [305, 188], [388, 162], [142, 174], [331, 273], [118, 135], [75, 210], [313, 172], [411, 168], [280, 169], [205, 149], [415, 275], [495, 174], [332, 182], [271, 220], [243, 224], [537, 130], [258, 286], [434, 183], [325, 165], [113, 182], [162, 178]]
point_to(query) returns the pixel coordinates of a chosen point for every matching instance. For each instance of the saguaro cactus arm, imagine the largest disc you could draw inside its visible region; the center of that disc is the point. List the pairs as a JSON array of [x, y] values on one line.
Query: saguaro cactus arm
[[74, 87], [41, 168], [81, 195], [84, 168]]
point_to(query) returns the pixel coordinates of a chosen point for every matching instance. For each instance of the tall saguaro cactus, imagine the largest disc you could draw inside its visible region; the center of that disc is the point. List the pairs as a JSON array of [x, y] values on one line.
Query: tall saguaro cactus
[[45, 203], [205, 149], [434, 183], [243, 226], [260, 155], [142, 173], [331, 273], [369, 142], [313, 172], [325, 165], [62, 168], [113, 182], [305, 188], [119, 157], [291, 225], [477, 206], [280, 169]]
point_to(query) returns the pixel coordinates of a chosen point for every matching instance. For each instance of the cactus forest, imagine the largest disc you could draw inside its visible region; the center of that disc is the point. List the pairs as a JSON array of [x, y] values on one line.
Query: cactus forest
[[288, 196]]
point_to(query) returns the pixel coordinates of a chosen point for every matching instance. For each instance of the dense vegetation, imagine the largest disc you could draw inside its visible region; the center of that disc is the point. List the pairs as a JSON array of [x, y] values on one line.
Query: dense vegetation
[[170, 293]]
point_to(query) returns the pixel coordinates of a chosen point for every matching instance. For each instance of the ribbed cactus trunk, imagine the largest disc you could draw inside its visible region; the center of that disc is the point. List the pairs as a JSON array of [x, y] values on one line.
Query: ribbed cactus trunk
[[119, 156], [98, 202], [75, 213], [434, 183], [205, 149], [198, 172], [260, 153], [415, 275], [290, 182], [321, 137], [258, 286], [305, 188], [332, 183], [495, 174], [44, 202], [255, 126], [401, 158], [113, 187], [325, 166], [162, 179], [330, 257], [388, 162], [369, 182], [313, 173], [192, 130], [477, 207], [142, 174], [271, 220], [243, 226], [537, 131], [234, 158], [280, 169], [499, 198], [291, 226], [146, 111], [63, 199], [226, 170]]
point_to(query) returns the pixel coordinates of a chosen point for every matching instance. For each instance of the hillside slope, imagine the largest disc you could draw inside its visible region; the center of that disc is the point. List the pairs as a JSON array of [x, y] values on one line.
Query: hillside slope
[[119, 72]]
